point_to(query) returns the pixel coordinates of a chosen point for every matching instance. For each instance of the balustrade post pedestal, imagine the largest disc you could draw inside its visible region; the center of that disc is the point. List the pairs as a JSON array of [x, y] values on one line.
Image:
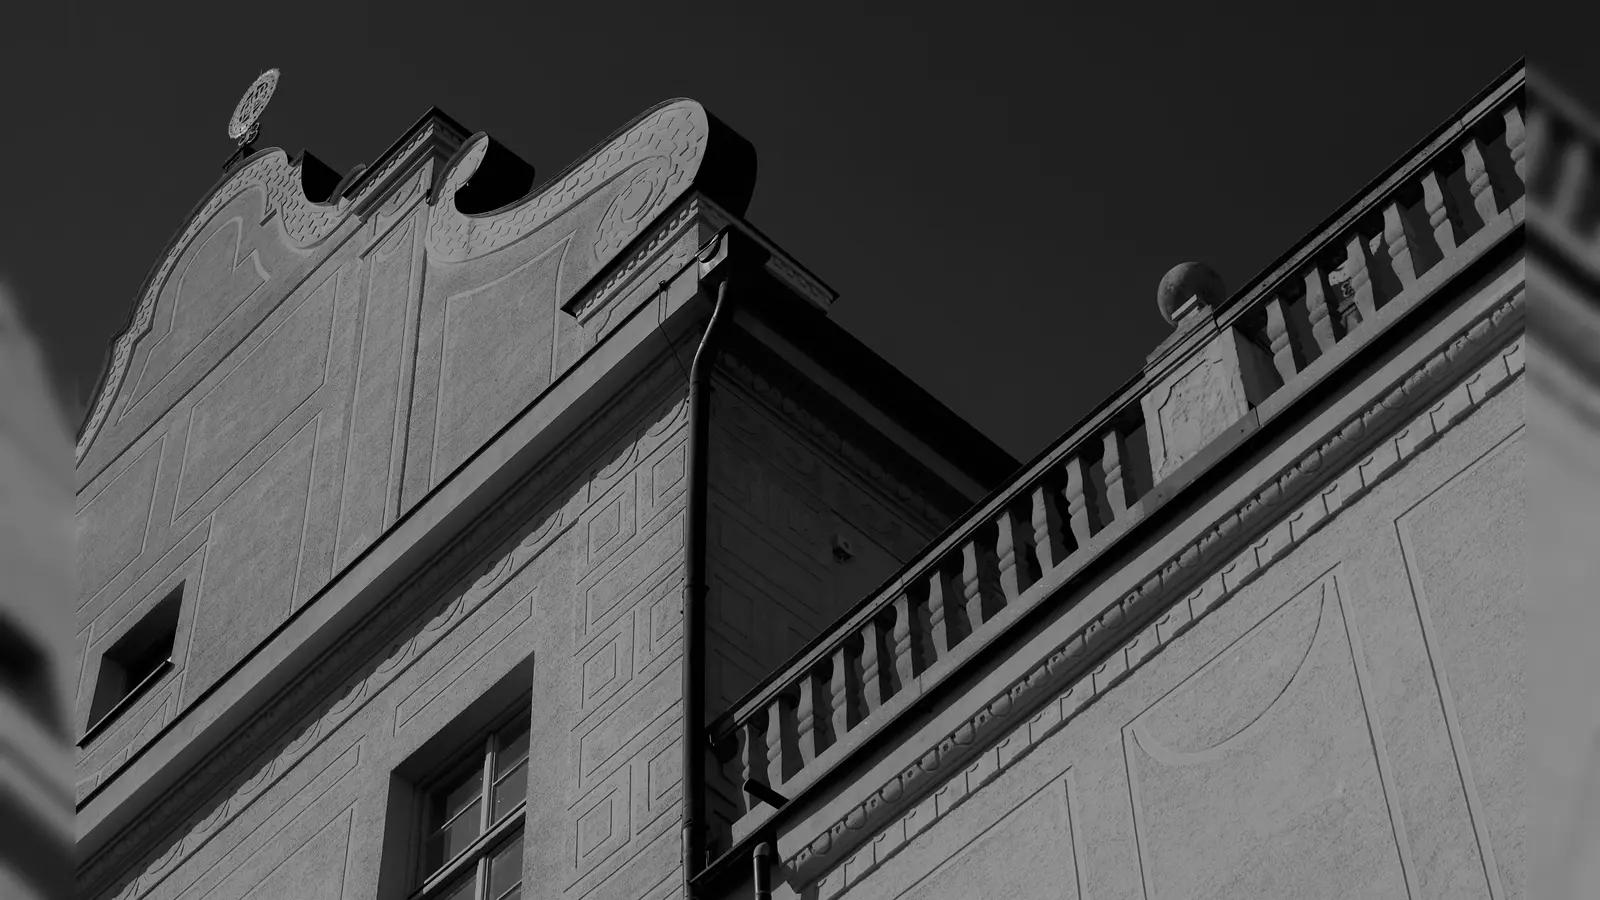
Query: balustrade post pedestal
[[1202, 396]]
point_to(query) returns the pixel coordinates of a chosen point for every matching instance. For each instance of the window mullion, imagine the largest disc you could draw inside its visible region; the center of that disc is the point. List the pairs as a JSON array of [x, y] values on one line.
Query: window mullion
[[485, 815]]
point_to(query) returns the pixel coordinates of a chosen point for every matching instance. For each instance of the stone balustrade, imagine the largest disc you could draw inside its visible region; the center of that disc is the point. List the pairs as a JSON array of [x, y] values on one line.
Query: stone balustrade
[[1405, 234]]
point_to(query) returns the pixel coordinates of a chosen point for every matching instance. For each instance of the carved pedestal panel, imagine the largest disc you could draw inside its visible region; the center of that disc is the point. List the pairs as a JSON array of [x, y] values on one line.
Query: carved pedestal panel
[[1202, 398]]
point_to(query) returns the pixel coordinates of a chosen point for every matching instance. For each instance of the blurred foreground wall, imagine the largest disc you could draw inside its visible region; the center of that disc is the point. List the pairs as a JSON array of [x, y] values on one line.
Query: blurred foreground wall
[[1564, 495], [36, 587]]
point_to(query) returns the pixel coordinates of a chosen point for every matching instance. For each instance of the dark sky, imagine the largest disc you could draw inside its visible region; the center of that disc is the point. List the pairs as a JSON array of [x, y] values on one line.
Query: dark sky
[[995, 192]]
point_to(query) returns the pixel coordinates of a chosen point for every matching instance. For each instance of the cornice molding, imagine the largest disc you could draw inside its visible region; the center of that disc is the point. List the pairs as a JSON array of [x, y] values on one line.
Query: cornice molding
[[1070, 670], [586, 305], [779, 264]]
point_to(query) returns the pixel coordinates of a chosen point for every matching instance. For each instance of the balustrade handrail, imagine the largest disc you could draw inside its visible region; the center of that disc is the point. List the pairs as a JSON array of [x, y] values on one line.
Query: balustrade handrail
[[1369, 197], [1113, 407], [1066, 508]]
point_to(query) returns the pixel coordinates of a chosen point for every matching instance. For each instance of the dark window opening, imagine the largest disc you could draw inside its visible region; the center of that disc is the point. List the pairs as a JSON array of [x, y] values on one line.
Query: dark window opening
[[135, 662]]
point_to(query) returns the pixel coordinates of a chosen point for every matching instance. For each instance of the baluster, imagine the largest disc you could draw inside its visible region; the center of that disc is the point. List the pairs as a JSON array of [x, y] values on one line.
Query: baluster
[[1401, 257], [754, 756], [1358, 257], [780, 740], [939, 614], [1286, 357], [1048, 539], [872, 692], [808, 735], [904, 659], [980, 587], [840, 690], [1477, 175], [1318, 310], [1119, 487], [1012, 544], [1444, 231], [1516, 142], [1078, 499]]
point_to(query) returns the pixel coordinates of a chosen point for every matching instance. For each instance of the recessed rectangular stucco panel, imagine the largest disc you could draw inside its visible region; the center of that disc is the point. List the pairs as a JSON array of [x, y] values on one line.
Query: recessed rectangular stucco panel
[[1464, 547], [251, 562], [1260, 776], [268, 384], [379, 368], [315, 871], [496, 355], [221, 273], [116, 520]]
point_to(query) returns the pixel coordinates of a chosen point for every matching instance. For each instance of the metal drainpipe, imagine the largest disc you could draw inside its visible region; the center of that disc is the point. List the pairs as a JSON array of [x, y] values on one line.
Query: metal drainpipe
[[762, 857], [694, 675]]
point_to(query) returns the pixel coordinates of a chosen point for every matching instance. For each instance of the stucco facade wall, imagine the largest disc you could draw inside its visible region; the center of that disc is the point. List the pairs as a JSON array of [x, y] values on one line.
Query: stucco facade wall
[[781, 504], [1348, 723], [576, 591], [797, 535], [304, 375]]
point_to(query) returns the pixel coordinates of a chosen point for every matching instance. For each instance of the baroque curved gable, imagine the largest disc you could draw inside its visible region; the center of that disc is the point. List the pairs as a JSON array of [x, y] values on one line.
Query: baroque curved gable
[[657, 159], [304, 224]]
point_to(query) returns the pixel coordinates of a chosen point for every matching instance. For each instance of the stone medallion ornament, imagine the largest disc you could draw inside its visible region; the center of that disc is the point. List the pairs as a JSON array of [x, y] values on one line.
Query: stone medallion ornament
[[245, 124]]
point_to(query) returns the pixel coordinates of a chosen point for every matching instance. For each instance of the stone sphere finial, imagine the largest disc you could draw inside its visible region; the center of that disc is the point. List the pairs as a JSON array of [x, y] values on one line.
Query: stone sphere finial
[[1186, 281]]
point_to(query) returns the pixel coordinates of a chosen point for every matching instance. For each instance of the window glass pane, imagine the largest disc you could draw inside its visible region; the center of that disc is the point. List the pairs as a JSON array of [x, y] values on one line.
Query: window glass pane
[[452, 797], [505, 869], [461, 889], [512, 789], [444, 844], [513, 748]]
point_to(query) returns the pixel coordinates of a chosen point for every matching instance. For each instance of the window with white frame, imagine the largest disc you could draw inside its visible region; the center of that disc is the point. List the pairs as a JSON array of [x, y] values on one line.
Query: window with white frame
[[472, 824]]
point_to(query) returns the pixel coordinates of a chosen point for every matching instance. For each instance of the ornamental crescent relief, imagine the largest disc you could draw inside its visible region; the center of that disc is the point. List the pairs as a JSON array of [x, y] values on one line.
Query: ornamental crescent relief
[[662, 150]]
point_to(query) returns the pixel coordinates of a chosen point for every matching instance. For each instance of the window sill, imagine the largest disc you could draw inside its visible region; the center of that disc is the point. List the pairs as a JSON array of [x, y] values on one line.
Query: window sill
[[139, 690]]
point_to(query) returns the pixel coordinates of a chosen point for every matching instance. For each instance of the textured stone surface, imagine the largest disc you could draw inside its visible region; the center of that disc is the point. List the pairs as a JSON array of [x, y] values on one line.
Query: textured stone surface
[[1185, 283], [289, 388], [779, 502], [1196, 402], [602, 746], [1319, 713], [1308, 737]]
